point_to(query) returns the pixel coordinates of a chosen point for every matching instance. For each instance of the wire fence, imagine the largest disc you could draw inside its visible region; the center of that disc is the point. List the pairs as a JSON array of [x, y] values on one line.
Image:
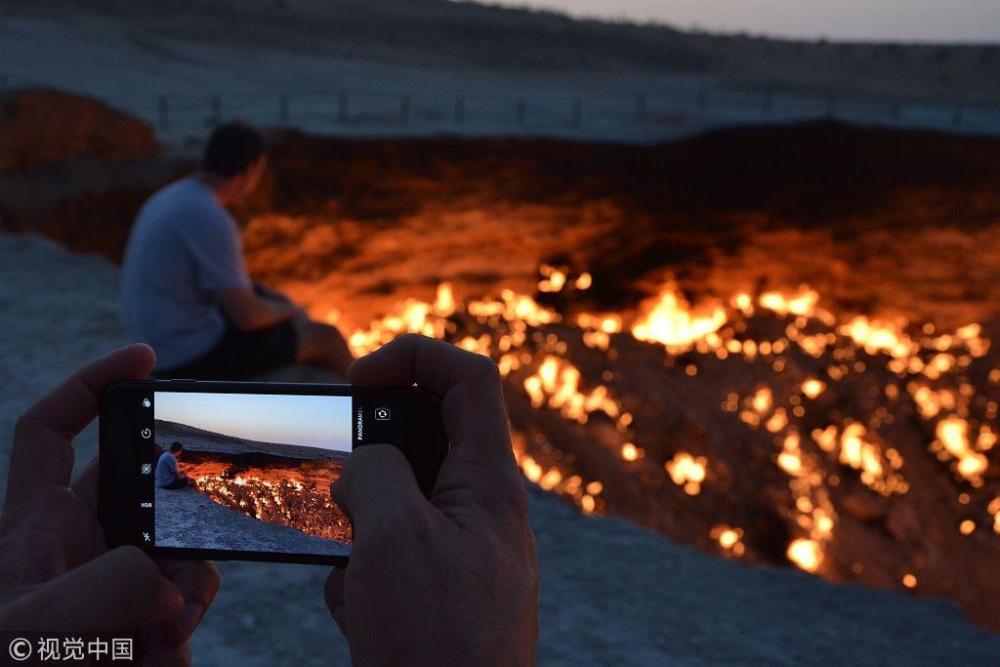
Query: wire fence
[[637, 115]]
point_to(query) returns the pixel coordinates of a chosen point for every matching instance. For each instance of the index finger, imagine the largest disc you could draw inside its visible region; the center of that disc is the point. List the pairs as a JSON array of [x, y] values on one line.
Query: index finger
[[42, 453], [468, 384]]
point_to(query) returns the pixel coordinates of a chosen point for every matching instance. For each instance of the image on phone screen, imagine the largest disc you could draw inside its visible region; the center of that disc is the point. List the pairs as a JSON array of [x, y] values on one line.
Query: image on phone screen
[[249, 472]]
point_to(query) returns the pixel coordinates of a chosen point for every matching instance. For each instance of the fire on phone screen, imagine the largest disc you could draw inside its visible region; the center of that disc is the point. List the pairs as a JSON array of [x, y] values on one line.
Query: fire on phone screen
[[248, 472]]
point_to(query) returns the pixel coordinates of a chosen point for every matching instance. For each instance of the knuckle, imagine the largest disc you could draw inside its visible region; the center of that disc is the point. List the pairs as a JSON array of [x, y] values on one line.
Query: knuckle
[[411, 339], [483, 367], [135, 561]]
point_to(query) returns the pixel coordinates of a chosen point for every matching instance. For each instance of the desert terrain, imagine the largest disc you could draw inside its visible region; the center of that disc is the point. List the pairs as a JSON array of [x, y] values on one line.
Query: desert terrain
[[436, 67], [752, 372]]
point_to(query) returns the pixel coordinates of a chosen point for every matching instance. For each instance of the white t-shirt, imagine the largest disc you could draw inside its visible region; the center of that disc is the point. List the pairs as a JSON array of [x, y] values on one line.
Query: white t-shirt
[[184, 249], [166, 469]]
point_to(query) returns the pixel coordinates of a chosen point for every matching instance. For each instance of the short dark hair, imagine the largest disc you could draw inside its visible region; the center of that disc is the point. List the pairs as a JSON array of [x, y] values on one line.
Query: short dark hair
[[232, 148], [176, 447]]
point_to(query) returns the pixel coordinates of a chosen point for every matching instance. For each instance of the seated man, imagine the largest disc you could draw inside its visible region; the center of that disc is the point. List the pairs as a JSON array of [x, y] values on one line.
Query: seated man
[[184, 284], [168, 475]]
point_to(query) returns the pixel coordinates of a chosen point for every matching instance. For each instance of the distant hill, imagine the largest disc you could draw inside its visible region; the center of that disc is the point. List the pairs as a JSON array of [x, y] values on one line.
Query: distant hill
[[465, 35], [202, 440]]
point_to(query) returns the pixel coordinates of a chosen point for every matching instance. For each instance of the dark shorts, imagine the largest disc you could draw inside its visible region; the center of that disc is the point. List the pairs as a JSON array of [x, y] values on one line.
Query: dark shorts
[[176, 484], [240, 355]]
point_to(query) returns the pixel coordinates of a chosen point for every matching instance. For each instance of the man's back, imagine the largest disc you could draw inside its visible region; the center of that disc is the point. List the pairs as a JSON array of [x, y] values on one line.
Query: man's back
[[184, 249], [166, 469]]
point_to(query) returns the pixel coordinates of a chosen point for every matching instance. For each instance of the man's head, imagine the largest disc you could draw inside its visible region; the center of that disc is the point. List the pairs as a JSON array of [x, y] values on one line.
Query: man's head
[[176, 448], [234, 160]]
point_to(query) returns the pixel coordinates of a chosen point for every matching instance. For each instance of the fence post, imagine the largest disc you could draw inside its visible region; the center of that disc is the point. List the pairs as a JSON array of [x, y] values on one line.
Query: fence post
[[459, 110], [216, 116], [640, 106], [164, 113], [519, 111], [404, 109], [702, 101], [283, 108], [342, 107], [577, 112]]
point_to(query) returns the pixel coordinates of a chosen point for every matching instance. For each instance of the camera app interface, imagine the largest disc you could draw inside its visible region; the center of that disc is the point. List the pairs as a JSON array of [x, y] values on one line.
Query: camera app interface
[[248, 472]]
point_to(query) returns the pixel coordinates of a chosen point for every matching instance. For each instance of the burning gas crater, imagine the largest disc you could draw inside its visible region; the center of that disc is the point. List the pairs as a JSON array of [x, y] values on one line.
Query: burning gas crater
[[276, 499], [857, 449]]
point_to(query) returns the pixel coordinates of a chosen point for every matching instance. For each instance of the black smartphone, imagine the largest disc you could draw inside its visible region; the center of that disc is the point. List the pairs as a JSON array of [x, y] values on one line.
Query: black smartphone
[[242, 470]]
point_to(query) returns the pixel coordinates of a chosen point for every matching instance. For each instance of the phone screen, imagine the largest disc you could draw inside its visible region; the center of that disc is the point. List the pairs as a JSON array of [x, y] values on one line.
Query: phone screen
[[243, 470], [248, 472]]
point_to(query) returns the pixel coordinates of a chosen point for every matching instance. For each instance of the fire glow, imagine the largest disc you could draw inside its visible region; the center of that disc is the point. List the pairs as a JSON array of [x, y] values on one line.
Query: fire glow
[[273, 496], [540, 352]]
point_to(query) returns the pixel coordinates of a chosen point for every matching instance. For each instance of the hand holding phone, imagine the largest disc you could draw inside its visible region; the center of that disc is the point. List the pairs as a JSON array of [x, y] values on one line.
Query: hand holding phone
[[452, 579], [58, 574]]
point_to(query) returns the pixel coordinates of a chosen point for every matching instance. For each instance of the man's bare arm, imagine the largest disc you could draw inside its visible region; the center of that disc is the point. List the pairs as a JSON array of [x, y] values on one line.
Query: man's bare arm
[[247, 311]]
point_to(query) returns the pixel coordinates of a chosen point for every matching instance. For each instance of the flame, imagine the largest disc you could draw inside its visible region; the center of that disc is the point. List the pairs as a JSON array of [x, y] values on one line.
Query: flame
[[673, 323], [532, 346], [813, 387], [806, 554], [730, 539], [687, 471], [556, 384], [877, 337], [801, 303], [276, 495], [631, 453], [953, 438]]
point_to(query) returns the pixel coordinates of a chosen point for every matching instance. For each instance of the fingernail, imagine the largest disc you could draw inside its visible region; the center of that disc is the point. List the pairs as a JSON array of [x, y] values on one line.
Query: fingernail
[[189, 618]]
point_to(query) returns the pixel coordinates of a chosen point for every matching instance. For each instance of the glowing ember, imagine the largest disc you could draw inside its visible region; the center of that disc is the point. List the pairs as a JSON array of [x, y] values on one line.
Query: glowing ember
[[813, 387], [730, 539], [557, 385], [806, 554], [687, 471], [631, 453], [953, 438], [802, 303], [275, 497]]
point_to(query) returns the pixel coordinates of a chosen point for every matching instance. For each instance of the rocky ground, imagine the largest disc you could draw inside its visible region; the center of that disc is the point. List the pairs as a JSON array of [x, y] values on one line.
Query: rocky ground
[[187, 518]]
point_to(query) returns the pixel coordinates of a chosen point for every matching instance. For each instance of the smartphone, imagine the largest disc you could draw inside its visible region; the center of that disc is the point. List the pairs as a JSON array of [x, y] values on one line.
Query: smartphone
[[242, 470]]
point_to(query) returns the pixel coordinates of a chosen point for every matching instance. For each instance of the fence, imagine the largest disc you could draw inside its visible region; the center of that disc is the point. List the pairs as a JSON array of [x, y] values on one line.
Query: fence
[[636, 116]]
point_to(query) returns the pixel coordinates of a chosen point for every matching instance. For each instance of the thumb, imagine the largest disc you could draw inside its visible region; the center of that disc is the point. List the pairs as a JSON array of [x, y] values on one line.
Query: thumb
[[378, 491], [121, 589]]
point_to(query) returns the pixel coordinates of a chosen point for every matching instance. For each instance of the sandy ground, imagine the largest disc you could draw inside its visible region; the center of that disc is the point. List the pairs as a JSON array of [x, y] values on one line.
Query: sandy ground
[[186, 518], [611, 593]]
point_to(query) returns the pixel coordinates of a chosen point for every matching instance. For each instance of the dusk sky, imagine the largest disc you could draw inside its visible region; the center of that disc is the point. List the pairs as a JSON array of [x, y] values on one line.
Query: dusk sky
[[910, 20], [313, 421]]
